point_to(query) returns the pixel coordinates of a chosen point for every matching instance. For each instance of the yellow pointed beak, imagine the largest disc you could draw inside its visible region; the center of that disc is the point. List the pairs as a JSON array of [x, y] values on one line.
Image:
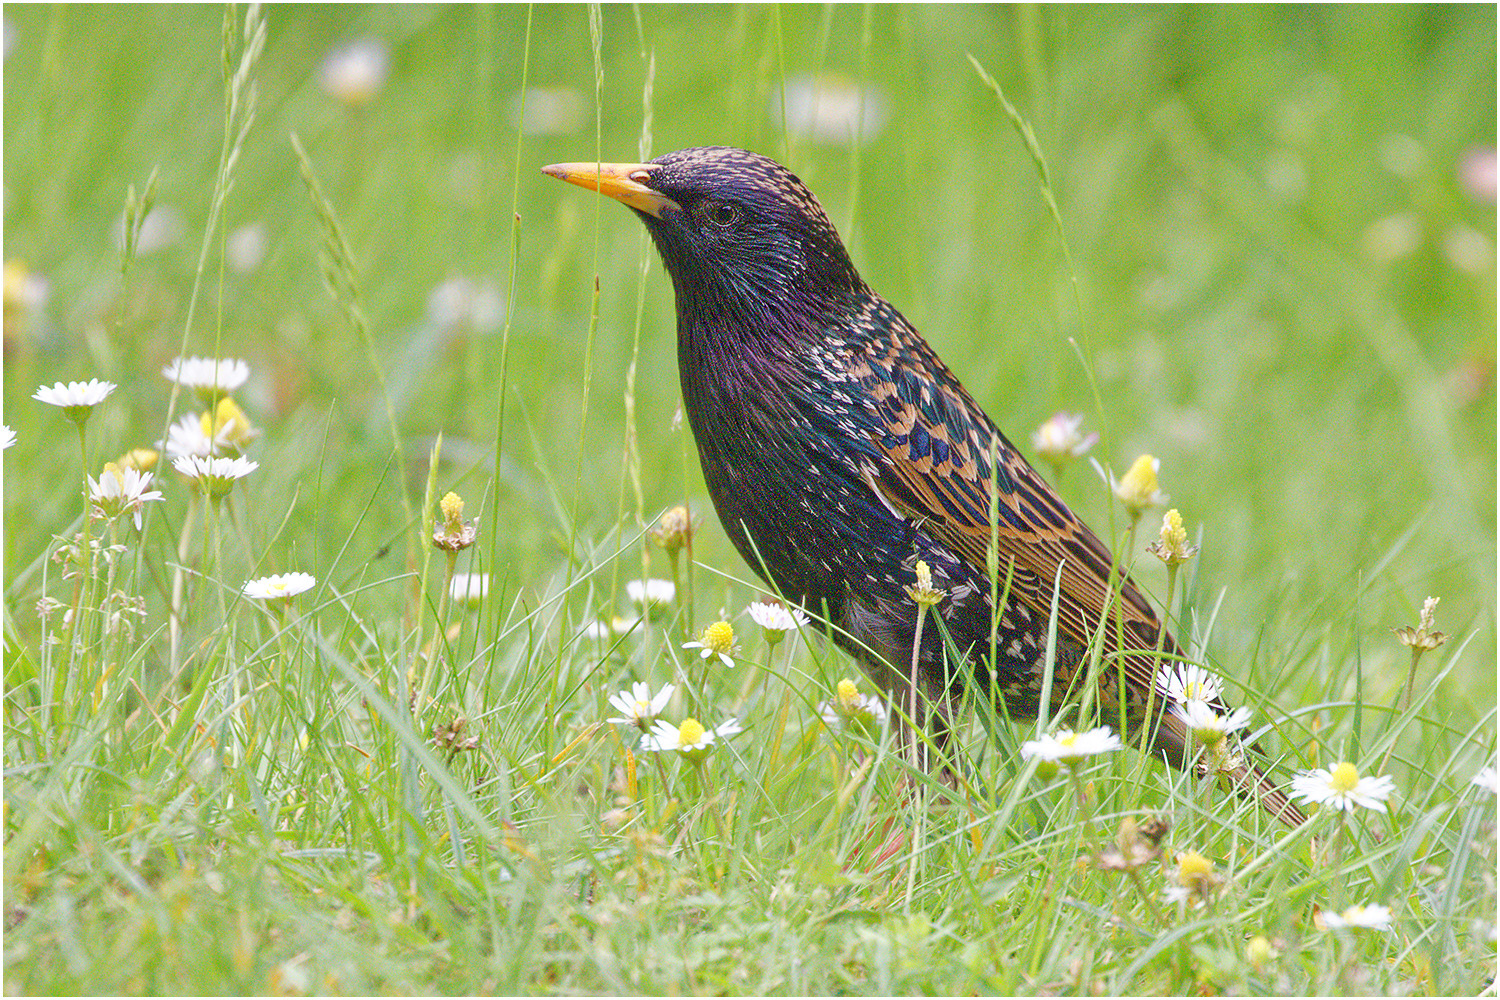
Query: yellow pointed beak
[[624, 182]]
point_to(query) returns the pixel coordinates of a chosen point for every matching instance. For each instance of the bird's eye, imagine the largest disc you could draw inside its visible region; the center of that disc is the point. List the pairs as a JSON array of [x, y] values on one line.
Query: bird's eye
[[721, 213]]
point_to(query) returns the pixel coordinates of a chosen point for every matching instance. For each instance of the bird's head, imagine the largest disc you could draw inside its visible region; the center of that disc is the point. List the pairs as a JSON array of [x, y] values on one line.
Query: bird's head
[[742, 237]]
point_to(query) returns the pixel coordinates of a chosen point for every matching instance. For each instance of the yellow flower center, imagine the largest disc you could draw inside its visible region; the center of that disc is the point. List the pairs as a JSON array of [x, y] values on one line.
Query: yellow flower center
[[1173, 534], [1069, 740], [114, 470], [452, 506], [848, 692], [689, 733], [1345, 777], [1192, 865], [718, 637]]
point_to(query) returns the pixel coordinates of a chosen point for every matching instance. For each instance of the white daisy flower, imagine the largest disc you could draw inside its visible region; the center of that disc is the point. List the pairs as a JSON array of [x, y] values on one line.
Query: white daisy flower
[[76, 399], [207, 376], [1208, 726], [1060, 439], [469, 588], [689, 739], [637, 707], [281, 585], [1343, 788], [7, 436], [119, 491], [1485, 779], [852, 708], [1181, 683], [716, 640], [1070, 748], [216, 476], [1358, 917], [648, 593], [776, 620], [187, 437]]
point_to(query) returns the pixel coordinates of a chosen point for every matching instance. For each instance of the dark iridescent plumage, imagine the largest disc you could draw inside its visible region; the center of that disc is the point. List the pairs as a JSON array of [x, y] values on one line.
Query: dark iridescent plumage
[[839, 450]]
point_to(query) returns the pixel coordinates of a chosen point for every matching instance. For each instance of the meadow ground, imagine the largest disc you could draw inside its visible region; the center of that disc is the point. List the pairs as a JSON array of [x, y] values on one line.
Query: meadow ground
[[1272, 265]]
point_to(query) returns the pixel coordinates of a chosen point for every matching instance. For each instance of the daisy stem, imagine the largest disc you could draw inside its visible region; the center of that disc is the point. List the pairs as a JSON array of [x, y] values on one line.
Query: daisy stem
[[214, 533], [442, 630], [916, 652]]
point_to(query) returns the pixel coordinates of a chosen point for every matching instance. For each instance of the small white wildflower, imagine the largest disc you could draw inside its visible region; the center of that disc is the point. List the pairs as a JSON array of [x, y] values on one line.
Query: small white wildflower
[[1070, 748], [648, 593], [469, 588], [851, 708], [121, 491], [1180, 683], [209, 377], [76, 399], [216, 476], [1485, 779], [637, 707], [1359, 918], [187, 437], [246, 247], [280, 585], [716, 640], [1343, 788], [689, 739], [1208, 726], [7, 436], [354, 73], [775, 620], [1059, 440]]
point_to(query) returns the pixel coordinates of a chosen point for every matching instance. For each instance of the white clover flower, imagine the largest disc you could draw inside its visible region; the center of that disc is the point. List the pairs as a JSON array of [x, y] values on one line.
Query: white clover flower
[[651, 592], [76, 399], [281, 585], [637, 707], [1070, 748], [216, 476], [1485, 779], [207, 376], [1358, 917], [689, 739], [1059, 440], [1180, 683], [776, 620], [7, 436], [1343, 788], [469, 588], [852, 708], [716, 640], [1208, 726], [354, 73], [120, 491]]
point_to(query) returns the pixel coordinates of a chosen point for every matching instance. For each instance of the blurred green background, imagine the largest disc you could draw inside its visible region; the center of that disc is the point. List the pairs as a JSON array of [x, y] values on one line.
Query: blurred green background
[[1278, 219]]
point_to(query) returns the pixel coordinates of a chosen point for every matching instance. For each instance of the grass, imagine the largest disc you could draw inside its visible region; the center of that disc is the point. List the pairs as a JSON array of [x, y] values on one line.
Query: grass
[[1273, 276]]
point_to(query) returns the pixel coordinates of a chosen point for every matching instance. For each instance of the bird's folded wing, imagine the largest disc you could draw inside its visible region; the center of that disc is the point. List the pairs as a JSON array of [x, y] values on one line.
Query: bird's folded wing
[[935, 446]]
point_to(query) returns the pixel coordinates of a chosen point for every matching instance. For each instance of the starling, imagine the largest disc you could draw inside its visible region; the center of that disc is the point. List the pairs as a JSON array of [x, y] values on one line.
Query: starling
[[840, 451]]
